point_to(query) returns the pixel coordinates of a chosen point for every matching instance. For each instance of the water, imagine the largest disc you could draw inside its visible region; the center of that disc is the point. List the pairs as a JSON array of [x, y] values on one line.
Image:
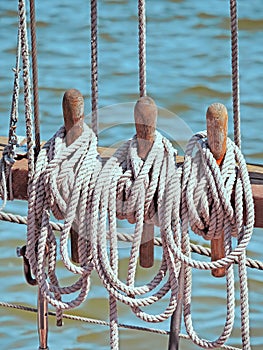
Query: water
[[188, 68]]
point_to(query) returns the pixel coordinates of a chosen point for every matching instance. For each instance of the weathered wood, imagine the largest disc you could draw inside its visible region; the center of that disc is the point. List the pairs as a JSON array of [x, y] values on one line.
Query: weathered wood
[[216, 121], [145, 115]]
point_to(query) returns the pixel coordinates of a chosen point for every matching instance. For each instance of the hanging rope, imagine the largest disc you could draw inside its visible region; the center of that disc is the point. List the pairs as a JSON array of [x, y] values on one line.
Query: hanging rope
[[64, 180], [206, 207], [125, 187], [35, 75], [235, 71], [94, 65], [8, 157], [27, 88], [142, 46]]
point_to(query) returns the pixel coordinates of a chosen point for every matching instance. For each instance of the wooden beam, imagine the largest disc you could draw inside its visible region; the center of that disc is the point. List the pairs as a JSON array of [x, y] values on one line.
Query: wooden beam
[[255, 174]]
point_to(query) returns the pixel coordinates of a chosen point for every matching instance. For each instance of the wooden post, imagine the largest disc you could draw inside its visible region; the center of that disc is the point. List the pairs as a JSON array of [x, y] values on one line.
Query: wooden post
[[216, 119], [145, 115], [73, 112]]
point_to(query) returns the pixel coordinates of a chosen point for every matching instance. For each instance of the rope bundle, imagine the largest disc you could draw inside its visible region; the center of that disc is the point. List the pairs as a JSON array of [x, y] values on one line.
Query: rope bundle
[[64, 180], [124, 186], [210, 211], [70, 183]]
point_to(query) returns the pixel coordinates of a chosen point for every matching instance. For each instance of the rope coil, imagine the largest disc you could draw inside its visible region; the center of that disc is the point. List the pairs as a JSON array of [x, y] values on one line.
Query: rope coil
[[57, 167]]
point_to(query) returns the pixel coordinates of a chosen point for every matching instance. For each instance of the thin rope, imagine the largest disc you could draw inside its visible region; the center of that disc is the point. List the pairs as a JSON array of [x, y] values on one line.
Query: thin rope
[[235, 72], [94, 65], [102, 323], [8, 156], [35, 76], [142, 46], [27, 88], [124, 237]]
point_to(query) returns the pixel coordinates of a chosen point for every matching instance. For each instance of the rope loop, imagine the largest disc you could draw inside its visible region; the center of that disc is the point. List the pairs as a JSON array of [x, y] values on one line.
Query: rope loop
[[134, 189], [63, 183]]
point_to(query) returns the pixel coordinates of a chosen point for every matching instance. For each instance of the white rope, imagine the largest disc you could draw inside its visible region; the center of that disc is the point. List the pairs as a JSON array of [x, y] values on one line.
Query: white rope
[[129, 186], [63, 182], [202, 209]]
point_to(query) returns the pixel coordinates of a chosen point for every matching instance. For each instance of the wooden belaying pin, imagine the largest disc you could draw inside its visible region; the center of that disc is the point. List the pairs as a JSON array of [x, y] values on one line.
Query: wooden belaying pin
[[217, 119], [145, 115], [73, 112]]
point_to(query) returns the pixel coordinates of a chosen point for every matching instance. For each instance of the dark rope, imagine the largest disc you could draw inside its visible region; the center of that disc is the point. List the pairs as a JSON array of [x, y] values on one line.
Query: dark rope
[[142, 47], [35, 75], [235, 72], [94, 65]]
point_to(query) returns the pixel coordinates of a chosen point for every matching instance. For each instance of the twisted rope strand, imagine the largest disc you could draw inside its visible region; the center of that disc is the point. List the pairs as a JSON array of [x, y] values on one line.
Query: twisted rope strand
[[235, 71], [35, 75], [94, 65], [142, 46]]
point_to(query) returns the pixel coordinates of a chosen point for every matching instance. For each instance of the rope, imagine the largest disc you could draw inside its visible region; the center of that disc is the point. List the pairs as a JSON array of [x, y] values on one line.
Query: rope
[[235, 71], [125, 187], [35, 75], [8, 156], [142, 46], [237, 138], [102, 323], [206, 208], [124, 237], [27, 88], [94, 65], [63, 182]]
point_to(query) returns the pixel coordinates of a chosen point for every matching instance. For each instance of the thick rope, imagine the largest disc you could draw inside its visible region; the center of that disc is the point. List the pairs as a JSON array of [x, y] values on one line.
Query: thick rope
[[94, 65], [235, 71], [142, 46], [63, 182], [35, 75]]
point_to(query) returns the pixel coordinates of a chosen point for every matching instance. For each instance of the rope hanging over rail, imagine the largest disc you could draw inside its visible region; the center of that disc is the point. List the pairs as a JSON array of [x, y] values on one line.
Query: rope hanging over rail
[[130, 190], [63, 182], [207, 209]]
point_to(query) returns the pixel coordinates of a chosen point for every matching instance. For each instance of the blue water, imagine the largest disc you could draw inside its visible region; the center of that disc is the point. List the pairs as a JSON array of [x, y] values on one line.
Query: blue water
[[188, 68]]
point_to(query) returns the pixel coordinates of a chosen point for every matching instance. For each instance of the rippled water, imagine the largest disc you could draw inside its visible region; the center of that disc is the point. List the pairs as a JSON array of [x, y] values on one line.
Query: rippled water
[[188, 68]]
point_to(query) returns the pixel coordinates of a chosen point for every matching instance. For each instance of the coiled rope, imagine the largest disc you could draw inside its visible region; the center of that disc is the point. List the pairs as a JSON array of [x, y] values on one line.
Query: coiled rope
[[206, 207], [128, 187], [64, 180]]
